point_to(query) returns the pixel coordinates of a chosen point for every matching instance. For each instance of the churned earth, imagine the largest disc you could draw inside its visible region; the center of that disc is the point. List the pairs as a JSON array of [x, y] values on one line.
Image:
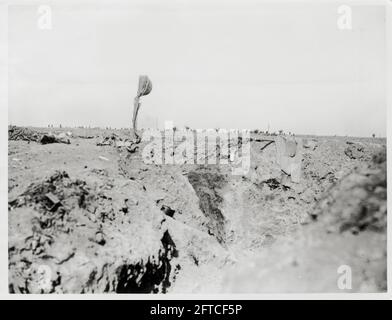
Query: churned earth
[[91, 216]]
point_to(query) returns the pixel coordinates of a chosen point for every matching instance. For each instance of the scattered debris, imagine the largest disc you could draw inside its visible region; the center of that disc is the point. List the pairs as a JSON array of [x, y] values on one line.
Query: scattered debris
[[116, 141], [109, 140], [21, 133], [358, 201], [26, 134], [106, 232], [52, 138], [101, 172], [54, 200], [132, 148], [354, 150], [267, 144], [272, 183]]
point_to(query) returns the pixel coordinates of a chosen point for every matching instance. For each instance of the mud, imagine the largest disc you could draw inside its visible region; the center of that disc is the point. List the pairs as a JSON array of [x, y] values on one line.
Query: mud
[[92, 217]]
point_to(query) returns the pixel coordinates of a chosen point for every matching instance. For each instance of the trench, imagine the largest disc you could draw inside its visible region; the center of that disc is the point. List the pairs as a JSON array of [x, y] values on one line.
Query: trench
[[207, 182], [150, 277]]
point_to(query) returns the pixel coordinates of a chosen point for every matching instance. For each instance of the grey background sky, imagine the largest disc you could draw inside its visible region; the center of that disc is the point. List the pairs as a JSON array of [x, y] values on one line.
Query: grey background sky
[[213, 64]]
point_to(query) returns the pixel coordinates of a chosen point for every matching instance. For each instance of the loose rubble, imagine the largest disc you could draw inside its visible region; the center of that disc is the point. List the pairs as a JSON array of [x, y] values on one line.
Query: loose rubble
[[26, 134], [92, 217]]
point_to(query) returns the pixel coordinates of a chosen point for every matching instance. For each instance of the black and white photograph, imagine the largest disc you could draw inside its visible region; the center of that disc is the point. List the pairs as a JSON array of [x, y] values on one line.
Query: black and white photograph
[[195, 148]]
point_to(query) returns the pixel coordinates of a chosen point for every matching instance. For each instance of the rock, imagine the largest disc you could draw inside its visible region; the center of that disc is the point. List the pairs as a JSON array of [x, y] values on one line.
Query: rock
[[167, 211], [52, 198], [99, 238], [132, 148]]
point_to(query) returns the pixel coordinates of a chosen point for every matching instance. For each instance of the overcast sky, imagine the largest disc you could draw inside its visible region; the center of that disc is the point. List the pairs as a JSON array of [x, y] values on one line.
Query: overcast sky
[[212, 64]]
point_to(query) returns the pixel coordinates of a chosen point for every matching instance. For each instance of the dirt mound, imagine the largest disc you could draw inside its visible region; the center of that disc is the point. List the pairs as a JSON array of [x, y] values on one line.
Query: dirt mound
[[355, 150], [358, 202], [127, 226], [349, 230], [20, 133], [26, 134], [53, 199], [86, 241]]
